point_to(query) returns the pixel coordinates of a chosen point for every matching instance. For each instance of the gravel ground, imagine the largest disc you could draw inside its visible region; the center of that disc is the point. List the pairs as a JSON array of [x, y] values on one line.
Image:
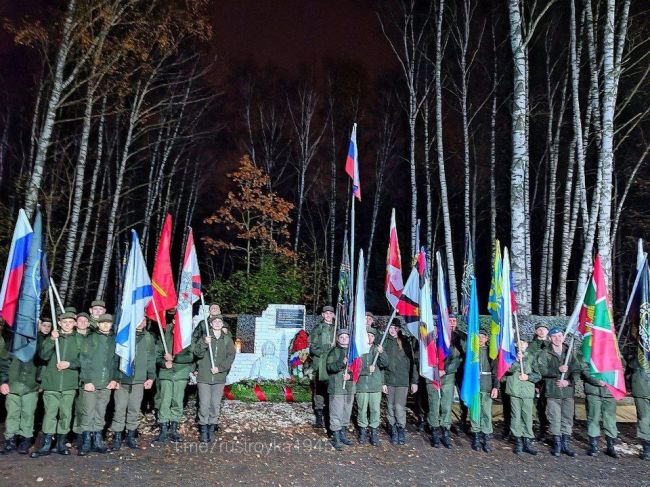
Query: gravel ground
[[274, 444]]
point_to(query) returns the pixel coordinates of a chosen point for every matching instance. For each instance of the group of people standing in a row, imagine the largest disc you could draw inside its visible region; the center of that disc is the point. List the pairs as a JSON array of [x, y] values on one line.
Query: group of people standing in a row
[[75, 372], [545, 387]]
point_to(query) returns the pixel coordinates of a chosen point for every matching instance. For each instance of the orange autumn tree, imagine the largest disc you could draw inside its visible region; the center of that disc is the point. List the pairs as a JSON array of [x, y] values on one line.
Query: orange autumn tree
[[258, 218]]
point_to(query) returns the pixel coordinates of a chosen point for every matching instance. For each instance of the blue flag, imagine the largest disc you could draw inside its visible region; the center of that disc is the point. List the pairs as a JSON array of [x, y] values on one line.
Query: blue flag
[[136, 295], [470, 390], [34, 282]]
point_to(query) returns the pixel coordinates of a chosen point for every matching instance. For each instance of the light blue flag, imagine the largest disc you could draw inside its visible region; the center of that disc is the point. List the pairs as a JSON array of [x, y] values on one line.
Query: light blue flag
[[136, 295], [471, 387]]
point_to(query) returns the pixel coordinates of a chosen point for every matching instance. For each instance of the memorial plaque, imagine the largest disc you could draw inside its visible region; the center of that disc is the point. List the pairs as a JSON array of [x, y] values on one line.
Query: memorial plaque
[[289, 317]]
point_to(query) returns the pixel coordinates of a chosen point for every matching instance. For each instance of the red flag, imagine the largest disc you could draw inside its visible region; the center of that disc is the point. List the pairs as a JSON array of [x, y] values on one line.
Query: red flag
[[394, 283], [162, 280]]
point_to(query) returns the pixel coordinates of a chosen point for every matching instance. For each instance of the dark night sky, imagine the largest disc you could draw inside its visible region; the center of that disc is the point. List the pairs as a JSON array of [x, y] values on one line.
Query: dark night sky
[[290, 33]]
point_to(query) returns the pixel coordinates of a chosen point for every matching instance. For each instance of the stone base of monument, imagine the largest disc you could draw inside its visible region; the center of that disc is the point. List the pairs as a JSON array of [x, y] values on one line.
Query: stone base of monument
[[274, 331]]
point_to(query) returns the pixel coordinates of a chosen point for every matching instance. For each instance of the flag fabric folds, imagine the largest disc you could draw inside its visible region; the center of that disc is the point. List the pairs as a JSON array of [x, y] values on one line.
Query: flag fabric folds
[[189, 292], [352, 163], [507, 354], [394, 281], [468, 273], [345, 293], [408, 305], [638, 310], [444, 330], [162, 279], [599, 343], [136, 296], [429, 358], [495, 301], [471, 386], [359, 338], [16, 262], [35, 281]]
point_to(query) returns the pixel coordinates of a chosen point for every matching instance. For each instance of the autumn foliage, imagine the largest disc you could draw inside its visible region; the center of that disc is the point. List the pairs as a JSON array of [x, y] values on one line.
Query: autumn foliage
[[257, 219]]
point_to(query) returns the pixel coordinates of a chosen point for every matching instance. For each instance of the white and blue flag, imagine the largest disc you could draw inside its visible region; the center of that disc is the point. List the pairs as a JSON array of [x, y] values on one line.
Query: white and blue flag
[[137, 293]]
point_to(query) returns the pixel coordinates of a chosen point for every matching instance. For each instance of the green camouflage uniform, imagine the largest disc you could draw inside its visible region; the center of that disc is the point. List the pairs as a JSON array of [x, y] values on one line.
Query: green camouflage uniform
[[400, 372], [22, 398], [522, 394], [128, 398], [488, 382], [211, 385], [441, 398], [368, 389], [172, 382], [341, 392], [59, 386], [640, 382], [320, 343]]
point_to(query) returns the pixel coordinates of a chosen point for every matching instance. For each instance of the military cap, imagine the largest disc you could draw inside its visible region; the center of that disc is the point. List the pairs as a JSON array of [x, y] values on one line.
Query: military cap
[[83, 314], [67, 316], [372, 330], [71, 309], [555, 330], [105, 318], [98, 302], [328, 308], [483, 331], [368, 313], [215, 317], [342, 331], [541, 325]]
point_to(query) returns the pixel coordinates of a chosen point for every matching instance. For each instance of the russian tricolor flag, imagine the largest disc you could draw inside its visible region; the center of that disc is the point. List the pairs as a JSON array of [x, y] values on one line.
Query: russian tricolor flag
[[506, 352], [359, 340], [352, 163], [16, 262]]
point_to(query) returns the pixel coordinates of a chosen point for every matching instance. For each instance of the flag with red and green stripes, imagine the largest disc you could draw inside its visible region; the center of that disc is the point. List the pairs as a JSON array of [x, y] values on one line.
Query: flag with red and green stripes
[[599, 343]]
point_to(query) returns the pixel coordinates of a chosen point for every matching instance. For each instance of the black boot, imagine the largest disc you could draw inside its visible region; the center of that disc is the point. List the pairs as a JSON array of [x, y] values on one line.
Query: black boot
[[336, 441], [78, 440], [10, 444], [173, 434], [211, 432], [23, 447], [84, 449], [131, 441], [645, 453], [117, 441], [203, 428], [528, 446], [374, 437], [362, 436], [557, 446], [476, 442], [162, 435], [44, 450], [99, 442], [487, 443], [61, 449], [611, 451], [401, 435], [421, 426], [506, 434], [519, 446], [319, 422], [593, 446], [343, 436], [435, 437], [54, 442], [566, 446], [393, 434], [446, 439]]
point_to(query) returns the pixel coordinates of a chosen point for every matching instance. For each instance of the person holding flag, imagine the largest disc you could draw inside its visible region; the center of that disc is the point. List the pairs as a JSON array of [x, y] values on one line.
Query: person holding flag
[[59, 381], [560, 374], [400, 375], [520, 387], [213, 369], [341, 389], [602, 365], [481, 424], [321, 340], [368, 392]]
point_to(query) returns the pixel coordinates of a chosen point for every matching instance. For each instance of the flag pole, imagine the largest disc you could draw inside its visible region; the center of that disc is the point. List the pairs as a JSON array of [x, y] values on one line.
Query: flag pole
[[383, 337], [572, 325], [631, 298], [207, 331], [56, 294], [54, 327], [162, 332]]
